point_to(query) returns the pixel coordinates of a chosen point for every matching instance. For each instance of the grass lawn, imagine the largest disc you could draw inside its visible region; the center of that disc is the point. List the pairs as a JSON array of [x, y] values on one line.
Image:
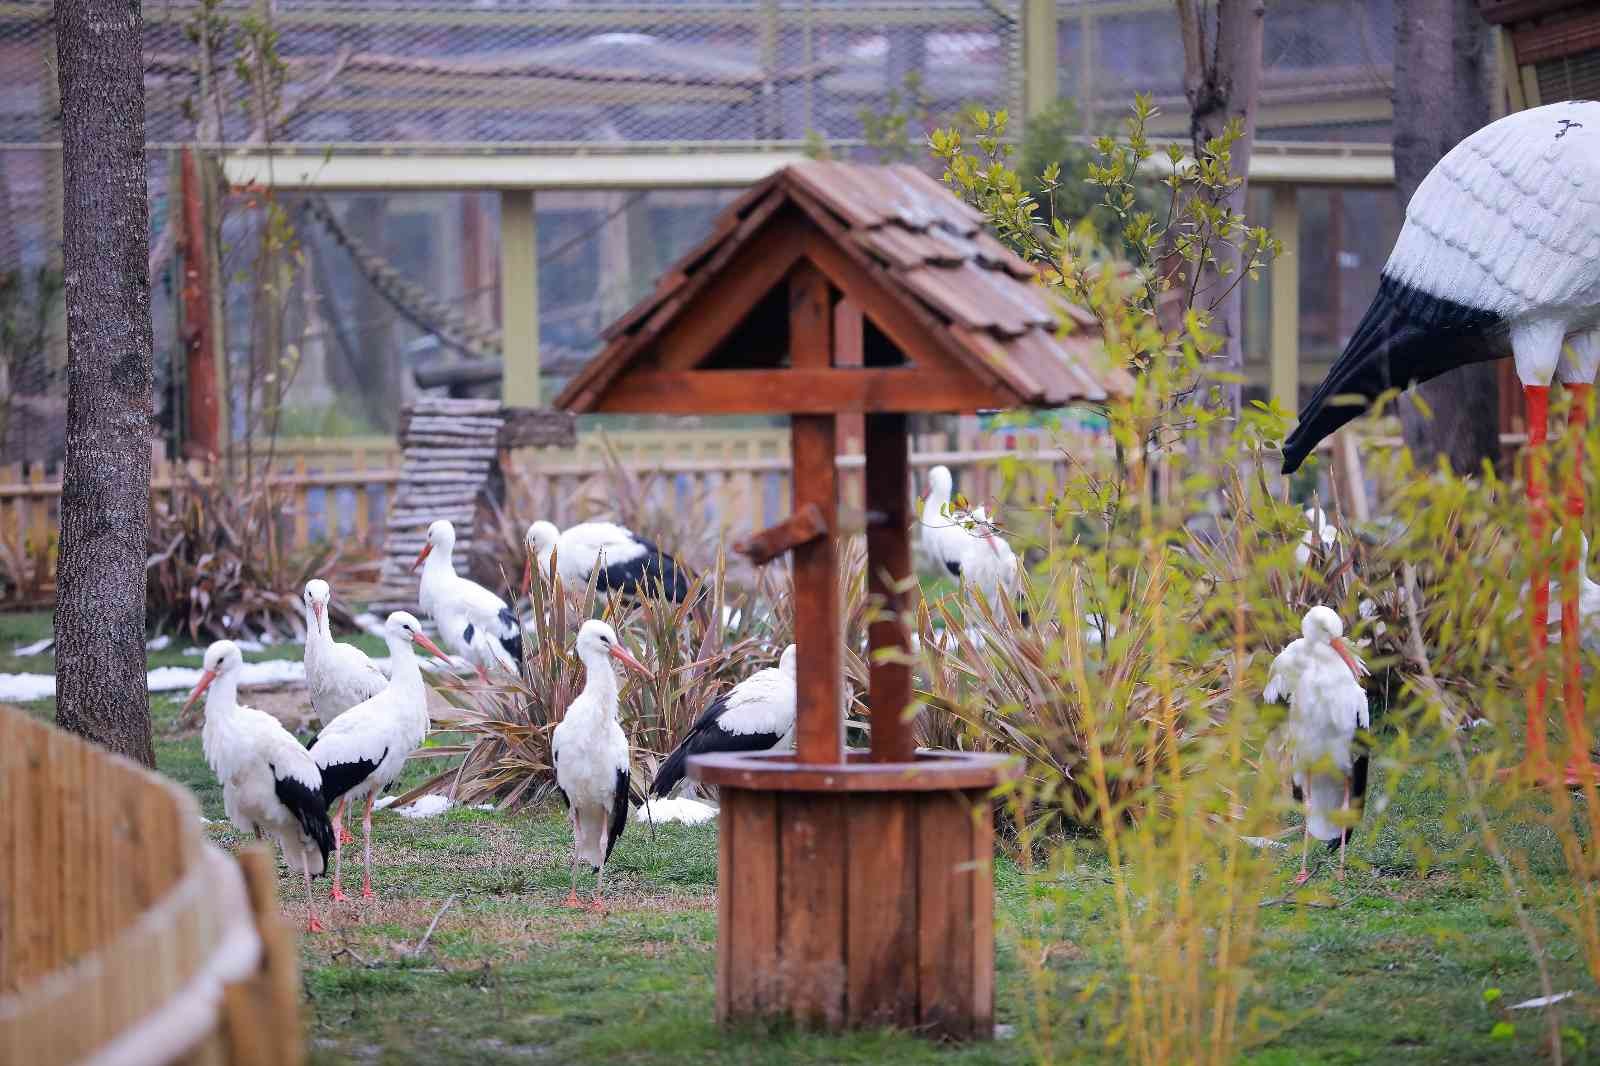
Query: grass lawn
[[1395, 972]]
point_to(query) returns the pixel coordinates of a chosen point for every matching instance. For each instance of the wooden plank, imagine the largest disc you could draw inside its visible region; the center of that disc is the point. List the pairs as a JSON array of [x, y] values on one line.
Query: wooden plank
[[889, 581], [750, 882], [799, 391], [804, 526], [881, 902], [812, 832], [39, 520], [945, 916], [302, 504], [361, 499], [818, 614], [981, 879], [727, 885]]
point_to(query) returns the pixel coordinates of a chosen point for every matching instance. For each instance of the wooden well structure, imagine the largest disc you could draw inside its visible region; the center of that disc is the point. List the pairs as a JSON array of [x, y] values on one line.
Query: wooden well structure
[[854, 886]]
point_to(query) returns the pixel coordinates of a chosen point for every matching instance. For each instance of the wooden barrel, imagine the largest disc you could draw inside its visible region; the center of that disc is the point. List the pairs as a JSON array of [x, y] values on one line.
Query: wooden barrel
[[858, 895], [125, 937]]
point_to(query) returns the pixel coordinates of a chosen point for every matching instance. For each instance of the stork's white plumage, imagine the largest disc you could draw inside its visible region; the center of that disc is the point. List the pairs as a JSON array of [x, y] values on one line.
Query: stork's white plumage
[[942, 533], [1321, 678], [987, 562], [1499, 254], [339, 676], [591, 757], [1320, 535], [1588, 600], [270, 784], [614, 557], [472, 621], [757, 714], [365, 748]]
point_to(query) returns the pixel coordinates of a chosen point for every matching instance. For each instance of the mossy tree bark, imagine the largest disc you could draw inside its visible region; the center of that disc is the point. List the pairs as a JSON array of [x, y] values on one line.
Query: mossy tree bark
[[101, 690]]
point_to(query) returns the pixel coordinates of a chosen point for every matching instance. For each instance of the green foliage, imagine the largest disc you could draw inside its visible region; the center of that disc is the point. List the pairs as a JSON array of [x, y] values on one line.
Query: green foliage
[[1161, 248]]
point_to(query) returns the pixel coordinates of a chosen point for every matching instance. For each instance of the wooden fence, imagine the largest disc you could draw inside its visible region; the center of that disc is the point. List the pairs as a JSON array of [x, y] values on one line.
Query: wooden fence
[[124, 935], [740, 479]]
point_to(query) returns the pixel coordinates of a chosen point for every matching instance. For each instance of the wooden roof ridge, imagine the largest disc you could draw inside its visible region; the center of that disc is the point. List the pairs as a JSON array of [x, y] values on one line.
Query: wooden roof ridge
[[926, 259]]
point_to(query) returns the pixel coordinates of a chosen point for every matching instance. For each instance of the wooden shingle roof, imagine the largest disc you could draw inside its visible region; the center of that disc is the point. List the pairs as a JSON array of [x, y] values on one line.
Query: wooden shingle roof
[[913, 256]]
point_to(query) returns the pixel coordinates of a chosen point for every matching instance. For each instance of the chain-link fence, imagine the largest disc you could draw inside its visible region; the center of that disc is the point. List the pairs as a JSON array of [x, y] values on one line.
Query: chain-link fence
[[383, 289]]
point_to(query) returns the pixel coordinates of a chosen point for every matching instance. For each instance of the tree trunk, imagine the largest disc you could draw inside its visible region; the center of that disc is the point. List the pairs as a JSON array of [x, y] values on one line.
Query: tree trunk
[[105, 493], [1443, 70], [1222, 69]]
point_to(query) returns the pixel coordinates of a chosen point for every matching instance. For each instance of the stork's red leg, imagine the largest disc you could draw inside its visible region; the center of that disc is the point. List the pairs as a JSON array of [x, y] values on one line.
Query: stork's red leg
[[1571, 623], [1537, 400]]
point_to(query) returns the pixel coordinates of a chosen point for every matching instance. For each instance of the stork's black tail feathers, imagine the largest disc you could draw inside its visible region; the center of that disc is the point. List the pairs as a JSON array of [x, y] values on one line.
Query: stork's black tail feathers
[[1358, 798], [671, 772], [309, 810], [1407, 336]]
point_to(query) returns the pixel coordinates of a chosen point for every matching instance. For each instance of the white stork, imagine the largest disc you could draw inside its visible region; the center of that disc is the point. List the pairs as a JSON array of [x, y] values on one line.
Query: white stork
[[364, 749], [269, 782], [987, 562], [1320, 535], [943, 531], [591, 758], [1321, 678], [757, 714], [472, 621], [338, 675], [614, 557], [1499, 254]]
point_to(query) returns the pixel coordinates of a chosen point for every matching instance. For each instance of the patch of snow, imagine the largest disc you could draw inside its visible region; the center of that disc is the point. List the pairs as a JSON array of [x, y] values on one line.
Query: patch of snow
[[158, 643], [426, 806], [1264, 842], [38, 647], [24, 688], [384, 801], [483, 806], [254, 675], [370, 623], [685, 811], [1542, 1001]]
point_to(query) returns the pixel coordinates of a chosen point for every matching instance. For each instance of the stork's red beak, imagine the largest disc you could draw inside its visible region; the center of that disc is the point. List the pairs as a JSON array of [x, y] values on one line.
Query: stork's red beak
[[200, 688], [423, 554], [620, 653], [422, 638], [319, 610], [1356, 666], [527, 573]]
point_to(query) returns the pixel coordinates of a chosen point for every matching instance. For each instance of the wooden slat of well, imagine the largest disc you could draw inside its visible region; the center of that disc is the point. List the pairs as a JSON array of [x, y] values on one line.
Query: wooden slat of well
[[881, 911], [812, 866], [980, 816], [752, 820], [725, 889], [945, 946]]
